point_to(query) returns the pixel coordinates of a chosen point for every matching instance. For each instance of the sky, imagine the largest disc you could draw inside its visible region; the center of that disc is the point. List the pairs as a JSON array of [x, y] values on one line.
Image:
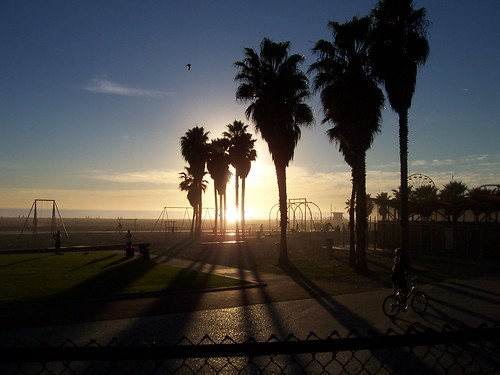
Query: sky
[[95, 96]]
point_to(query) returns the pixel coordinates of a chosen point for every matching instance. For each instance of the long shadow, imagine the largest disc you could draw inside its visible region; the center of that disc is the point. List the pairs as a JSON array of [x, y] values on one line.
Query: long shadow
[[177, 248], [74, 305], [246, 257], [349, 319], [185, 303], [114, 277], [117, 261], [461, 290], [94, 261], [470, 311], [22, 261], [247, 264], [474, 289], [440, 315]]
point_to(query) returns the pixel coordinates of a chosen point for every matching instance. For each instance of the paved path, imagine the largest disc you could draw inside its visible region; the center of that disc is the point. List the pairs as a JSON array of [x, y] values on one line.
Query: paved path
[[282, 307]]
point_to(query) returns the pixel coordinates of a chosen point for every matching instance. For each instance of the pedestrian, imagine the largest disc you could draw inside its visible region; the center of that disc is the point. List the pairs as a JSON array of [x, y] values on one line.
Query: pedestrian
[[57, 238], [129, 250]]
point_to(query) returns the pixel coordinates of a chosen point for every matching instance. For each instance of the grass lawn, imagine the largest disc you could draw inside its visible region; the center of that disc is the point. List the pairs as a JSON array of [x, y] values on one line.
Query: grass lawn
[[31, 278]]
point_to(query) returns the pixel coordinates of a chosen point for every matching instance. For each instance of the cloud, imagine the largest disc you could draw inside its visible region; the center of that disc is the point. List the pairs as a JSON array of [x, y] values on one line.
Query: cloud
[[147, 176], [103, 86], [418, 163]]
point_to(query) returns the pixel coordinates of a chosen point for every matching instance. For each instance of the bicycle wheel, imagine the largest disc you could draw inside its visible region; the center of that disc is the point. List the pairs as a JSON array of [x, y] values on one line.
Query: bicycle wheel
[[419, 302], [391, 305]]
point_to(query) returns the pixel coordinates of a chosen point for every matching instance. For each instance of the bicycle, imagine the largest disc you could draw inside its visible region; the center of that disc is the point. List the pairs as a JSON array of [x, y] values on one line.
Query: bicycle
[[419, 301]]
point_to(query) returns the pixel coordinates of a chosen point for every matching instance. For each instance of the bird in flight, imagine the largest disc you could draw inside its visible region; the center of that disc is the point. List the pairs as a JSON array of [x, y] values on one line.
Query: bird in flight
[[188, 66]]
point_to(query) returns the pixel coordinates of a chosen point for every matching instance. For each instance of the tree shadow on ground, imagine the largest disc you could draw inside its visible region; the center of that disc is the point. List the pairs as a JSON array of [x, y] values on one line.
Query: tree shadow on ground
[[123, 273]]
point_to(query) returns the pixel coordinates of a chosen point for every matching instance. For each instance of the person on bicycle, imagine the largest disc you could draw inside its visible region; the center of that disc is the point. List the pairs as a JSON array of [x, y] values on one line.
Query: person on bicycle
[[399, 277]]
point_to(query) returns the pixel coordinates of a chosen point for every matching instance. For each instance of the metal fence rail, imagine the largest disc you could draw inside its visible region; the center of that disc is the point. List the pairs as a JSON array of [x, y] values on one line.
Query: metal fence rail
[[469, 351]]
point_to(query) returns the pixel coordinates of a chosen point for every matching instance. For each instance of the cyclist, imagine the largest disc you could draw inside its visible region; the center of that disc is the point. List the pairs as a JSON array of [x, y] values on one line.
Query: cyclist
[[399, 277]]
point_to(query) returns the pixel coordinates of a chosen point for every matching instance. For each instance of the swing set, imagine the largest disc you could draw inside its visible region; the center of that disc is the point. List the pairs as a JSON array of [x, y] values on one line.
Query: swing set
[[45, 215], [169, 219]]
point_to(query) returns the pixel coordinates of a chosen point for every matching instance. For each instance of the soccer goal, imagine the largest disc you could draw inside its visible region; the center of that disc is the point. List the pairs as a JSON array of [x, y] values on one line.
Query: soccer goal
[[43, 217]]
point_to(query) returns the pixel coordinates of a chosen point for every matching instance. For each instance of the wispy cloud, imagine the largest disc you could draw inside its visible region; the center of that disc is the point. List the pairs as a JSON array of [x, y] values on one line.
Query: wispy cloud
[[147, 176], [103, 86]]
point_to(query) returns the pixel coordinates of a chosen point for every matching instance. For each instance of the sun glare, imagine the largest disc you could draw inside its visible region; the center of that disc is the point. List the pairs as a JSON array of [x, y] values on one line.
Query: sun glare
[[232, 215]]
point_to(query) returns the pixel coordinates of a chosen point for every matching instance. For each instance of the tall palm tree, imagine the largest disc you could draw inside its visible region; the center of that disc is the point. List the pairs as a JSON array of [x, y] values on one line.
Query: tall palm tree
[[276, 89], [241, 154], [194, 150], [353, 102], [188, 184], [218, 167], [399, 46]]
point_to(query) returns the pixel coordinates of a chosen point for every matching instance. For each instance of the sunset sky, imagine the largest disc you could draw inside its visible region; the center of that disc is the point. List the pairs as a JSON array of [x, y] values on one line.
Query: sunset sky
[[95, 96]]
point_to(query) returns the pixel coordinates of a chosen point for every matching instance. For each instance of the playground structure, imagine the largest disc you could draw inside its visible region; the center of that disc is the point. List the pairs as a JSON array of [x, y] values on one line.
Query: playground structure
[[45, 214], [179, 219], [127, 224], [300, 215]]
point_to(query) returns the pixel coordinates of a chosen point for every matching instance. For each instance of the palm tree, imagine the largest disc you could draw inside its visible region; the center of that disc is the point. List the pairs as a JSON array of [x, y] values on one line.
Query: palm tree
[[194, 150], [424, 200], [335, 135], [399, 46], [188, 184], [352, 219], [453, 192], [353, 102], [370, 204], [241, 154], [218, 167], [276, 89], [383, 201]]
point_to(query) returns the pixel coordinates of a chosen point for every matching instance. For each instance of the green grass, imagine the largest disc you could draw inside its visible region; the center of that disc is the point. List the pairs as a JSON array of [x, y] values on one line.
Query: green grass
[[32, 278]]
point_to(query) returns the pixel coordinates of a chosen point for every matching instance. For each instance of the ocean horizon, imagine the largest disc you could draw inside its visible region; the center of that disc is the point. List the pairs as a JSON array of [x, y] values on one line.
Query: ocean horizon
[[90, 213], [172, 213]]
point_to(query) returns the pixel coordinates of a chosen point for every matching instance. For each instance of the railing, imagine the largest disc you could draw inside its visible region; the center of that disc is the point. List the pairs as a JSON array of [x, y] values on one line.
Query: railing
[[465, 351]]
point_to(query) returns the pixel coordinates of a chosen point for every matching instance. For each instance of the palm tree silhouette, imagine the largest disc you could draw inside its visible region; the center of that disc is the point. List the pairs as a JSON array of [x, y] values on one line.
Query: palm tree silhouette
[[335, 136], [383, 201], [218, 167], [194, 150], [453, 192], [241, 154], [423, 201], [276, 89], [188, 184], [399, 46], [353, 102]]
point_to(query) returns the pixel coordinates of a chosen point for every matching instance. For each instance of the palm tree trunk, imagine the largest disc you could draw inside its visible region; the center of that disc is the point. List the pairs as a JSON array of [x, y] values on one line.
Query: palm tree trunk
[[281, 176], [216, 209], [221, 213], [193, 221], [352, 235], [200, 212], [403, 159], [224, 213], [237, 204], [243, 206], [361, 221]]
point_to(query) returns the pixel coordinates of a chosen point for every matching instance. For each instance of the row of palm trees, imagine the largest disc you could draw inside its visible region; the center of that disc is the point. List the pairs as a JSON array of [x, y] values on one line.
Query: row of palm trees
[[451, 202], [383, 48], [236, 147]]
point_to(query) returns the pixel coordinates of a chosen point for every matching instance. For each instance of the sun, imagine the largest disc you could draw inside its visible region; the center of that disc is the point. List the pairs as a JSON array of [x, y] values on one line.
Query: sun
[[231, 214]]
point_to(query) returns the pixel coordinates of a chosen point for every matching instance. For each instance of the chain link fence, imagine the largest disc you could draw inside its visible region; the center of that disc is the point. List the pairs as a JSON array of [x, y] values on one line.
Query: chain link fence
[[464, 351]]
